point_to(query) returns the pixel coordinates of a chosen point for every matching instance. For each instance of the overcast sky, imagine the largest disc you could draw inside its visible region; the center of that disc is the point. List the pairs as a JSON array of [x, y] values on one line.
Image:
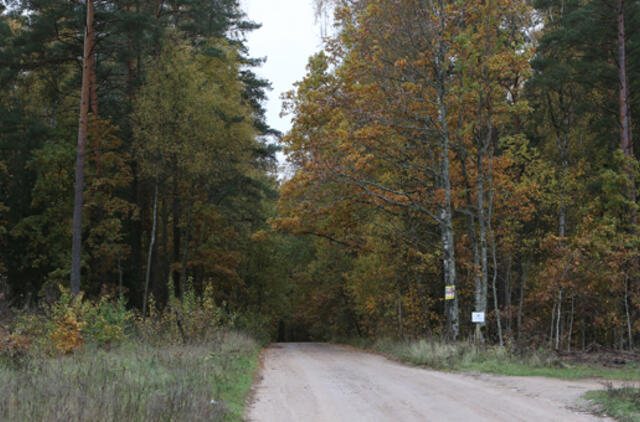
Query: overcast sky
[[289, 35]]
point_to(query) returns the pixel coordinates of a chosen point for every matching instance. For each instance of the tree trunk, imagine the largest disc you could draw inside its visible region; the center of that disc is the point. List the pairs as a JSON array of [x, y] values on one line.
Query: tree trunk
[[446, 214], [480, 305], [628, 314], [93, 93], [166, 261], [482, 289], [563, 145], [553, 316], [449, 269], [507, 297], [495, 264], [400, 324], [176, 229], [571, 324], [185, 251], [76, 248], [120, 287], [446, 226], [93, 64], [523, 283], [625, 109], [559, 316], [150, 253], [489, 217], [130, 64], [626, 140], [495, 291]]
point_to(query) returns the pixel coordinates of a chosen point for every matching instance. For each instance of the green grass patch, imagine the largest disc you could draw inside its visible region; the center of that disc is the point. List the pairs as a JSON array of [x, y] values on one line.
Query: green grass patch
[[209, 381], [468, 357], [564, 370], [623, 404]]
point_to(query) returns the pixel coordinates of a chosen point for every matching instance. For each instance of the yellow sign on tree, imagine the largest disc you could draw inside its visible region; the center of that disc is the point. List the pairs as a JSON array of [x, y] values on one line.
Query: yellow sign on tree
[[449, 292]]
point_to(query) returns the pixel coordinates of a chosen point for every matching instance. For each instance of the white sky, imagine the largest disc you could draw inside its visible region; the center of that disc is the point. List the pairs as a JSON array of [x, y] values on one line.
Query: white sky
[[289, 35]]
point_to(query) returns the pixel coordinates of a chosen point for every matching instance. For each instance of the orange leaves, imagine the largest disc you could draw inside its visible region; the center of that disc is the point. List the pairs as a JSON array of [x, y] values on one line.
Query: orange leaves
[[66, 338], [13, 345], [401, 63]]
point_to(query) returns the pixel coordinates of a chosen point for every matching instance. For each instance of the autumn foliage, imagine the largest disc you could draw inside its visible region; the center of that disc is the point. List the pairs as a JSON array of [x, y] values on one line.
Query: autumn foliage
[[425, 126]]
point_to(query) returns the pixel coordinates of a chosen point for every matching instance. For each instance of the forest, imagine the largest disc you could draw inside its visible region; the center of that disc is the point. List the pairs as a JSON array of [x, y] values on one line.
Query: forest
[[471, 156], [448, 158]]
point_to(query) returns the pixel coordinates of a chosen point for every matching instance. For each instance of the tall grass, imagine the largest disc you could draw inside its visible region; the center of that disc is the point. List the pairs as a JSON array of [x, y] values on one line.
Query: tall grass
[[134, 382]]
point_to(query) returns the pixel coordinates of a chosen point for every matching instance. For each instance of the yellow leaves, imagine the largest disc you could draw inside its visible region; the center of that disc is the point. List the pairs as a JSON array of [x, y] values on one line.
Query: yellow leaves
[[187, 112], [260, 236], [66, 338], [290, 224], [360, 161], [14, 25], [401, 63]]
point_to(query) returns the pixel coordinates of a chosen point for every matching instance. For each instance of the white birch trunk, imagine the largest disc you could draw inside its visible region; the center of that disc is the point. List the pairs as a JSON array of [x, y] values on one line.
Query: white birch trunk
[[150, 253]]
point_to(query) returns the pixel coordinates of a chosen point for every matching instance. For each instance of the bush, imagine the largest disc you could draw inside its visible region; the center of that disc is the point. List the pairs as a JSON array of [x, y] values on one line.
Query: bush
[[65, 326], [13, 346], [107, 321], [194, 319], [183, 363], [70, 323]]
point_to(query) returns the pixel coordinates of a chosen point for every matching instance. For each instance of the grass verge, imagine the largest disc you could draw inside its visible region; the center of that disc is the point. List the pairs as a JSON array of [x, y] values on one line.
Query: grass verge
[[467, 357], [136, 381], [623, 404]]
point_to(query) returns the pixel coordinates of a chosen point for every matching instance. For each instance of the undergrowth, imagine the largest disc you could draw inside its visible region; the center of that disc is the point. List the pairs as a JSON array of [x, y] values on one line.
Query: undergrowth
[[80, 360]]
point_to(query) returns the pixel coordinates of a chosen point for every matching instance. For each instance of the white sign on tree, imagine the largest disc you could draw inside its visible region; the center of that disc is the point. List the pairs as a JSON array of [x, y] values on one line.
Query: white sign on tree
[[477, 317]]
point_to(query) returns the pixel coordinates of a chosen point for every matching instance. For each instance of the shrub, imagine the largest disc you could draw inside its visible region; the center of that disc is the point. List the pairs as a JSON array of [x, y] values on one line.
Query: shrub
[[13, 346], [64, 327], [75, 321], [194, 319], [107, 321], [66, 337]]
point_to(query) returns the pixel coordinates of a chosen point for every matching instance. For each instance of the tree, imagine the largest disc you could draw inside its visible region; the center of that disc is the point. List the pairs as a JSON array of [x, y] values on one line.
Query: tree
[[85, 97], [406, 101], [575, 70], [40, 72], [196, 143]]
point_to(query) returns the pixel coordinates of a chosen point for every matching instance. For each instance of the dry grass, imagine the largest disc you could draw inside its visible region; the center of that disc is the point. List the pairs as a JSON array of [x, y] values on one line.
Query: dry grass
[[134, 382]]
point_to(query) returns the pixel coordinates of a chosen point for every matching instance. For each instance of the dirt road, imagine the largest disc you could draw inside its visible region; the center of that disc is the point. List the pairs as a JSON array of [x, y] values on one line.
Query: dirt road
[[326, 383]]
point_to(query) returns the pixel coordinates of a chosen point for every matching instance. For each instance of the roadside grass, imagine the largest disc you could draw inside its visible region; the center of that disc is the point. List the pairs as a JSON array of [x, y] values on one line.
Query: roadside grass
[[623, 404], [464, 356], [135, 381]]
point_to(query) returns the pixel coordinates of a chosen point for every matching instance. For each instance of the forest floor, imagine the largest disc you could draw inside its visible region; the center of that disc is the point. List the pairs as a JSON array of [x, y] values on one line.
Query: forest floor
[[321, 382]]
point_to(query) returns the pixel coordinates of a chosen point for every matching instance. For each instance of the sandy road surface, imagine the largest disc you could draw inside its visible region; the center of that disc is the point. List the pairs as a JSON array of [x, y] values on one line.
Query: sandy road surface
[[320, 382]]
